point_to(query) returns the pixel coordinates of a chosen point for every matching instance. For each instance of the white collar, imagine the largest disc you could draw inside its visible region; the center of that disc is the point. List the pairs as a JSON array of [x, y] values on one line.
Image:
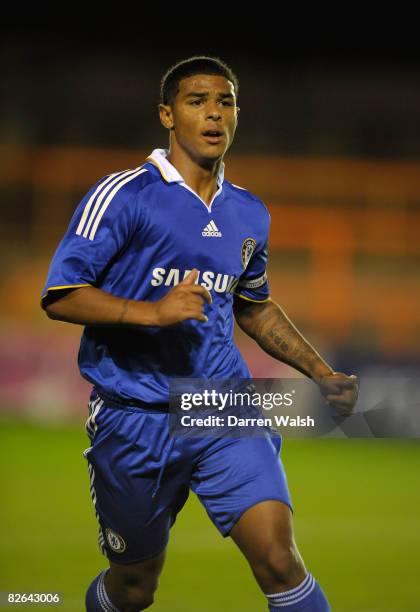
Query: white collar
[[170, 173]]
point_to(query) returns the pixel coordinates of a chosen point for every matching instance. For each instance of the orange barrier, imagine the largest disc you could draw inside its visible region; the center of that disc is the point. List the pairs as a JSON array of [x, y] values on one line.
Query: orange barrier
[[355, 222]]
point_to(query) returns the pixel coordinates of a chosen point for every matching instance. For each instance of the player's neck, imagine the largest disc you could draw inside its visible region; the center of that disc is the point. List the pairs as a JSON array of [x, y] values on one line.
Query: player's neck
[[202, 180]]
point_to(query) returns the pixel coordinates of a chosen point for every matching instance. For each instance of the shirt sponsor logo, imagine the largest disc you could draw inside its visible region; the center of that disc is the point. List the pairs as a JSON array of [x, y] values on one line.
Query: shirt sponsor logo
[[212, 281]]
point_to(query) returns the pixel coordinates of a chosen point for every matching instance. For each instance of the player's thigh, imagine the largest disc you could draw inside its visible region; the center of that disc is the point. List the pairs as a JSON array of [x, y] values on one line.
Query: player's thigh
[[264, 534], [265, 525]]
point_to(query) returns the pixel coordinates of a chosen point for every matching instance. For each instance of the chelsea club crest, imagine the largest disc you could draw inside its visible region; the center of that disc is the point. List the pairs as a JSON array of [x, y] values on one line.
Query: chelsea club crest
[[248, 247], [115, 541]]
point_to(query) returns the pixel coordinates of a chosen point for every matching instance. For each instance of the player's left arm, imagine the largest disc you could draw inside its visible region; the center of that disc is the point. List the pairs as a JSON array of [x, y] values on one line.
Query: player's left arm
[[271, 328]]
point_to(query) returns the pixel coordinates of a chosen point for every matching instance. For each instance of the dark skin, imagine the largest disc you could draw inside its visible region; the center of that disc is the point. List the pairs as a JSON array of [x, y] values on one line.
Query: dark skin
[[270, 327], [203, 102], [92, 306], [208, 102]]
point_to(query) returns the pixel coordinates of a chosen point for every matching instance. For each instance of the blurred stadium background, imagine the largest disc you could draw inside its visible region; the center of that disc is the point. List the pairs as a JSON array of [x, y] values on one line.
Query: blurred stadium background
[[331, 144]]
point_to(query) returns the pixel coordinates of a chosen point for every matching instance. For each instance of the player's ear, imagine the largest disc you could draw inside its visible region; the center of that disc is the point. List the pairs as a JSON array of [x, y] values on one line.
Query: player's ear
[[165, 115]]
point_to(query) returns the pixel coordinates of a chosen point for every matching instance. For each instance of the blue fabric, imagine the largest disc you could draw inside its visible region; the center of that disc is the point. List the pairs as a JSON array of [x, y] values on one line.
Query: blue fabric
[[92, 601], [141, 477], [136, 235], [96, 598], [306, 597]]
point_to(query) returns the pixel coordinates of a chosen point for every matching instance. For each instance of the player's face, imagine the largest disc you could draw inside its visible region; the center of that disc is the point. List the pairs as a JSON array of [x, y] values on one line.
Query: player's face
[[203, 116]]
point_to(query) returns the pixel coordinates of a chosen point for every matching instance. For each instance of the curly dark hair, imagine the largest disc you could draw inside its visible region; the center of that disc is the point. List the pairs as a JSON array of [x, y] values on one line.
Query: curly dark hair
[[199, 64]]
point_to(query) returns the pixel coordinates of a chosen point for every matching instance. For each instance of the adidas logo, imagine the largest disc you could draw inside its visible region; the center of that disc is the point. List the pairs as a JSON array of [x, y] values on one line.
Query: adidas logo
[[211, 230]]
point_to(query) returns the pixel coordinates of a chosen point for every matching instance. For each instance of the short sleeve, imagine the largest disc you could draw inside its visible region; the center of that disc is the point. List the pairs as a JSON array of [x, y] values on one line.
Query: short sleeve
[[101, 225], [253, 284]]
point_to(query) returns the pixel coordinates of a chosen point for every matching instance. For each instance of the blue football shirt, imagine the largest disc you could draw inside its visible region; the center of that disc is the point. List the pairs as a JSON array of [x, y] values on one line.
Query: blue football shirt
[[136, 234]]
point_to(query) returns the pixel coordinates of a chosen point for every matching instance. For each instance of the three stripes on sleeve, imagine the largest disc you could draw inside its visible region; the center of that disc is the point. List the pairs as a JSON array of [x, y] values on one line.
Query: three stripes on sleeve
[[99, 201]]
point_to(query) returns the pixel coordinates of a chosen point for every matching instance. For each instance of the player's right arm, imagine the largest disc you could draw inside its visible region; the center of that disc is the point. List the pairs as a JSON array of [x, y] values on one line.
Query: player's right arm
[[104, 223], [92, 306]]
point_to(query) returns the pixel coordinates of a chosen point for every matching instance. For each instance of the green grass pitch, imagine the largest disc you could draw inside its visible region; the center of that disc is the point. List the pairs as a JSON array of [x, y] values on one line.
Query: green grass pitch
[[357, 525]]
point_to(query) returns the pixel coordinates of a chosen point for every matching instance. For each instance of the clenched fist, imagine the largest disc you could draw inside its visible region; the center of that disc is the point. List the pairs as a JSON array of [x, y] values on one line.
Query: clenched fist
[[341, 391], [182, 302]]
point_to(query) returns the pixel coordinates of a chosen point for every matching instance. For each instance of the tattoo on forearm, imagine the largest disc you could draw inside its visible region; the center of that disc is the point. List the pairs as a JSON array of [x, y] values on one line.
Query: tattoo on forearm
[[278, 337], [123, 311], [278, 341]]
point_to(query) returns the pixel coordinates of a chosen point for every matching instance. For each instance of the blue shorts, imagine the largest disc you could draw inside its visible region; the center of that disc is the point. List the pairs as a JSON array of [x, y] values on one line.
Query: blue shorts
[[141, 476]]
